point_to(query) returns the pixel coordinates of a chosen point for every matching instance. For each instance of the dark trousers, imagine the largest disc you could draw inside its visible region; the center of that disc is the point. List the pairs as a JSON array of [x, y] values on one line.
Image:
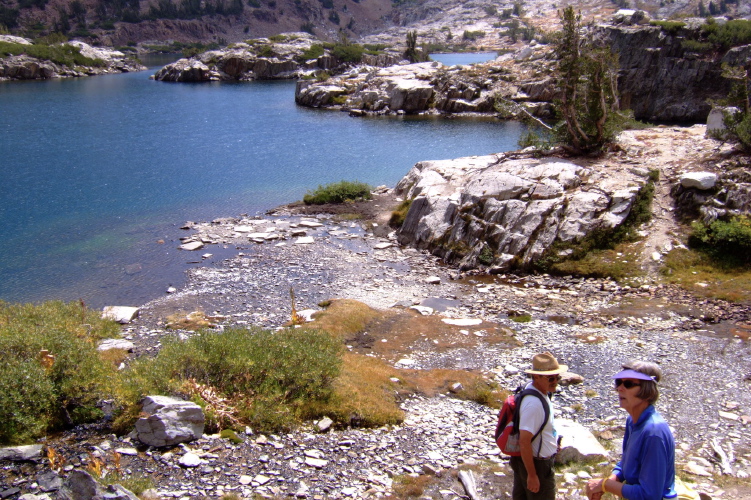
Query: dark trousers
[[546, 474]]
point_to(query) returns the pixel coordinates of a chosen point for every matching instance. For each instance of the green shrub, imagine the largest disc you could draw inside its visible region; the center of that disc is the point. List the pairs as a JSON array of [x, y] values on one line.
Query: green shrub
[[313, 52], [696, 46], [338, 192], [730, 34], [348, 52], [726, 241], [270, 379], [670, 27], [38, 397], [265, 51], [473, 35]]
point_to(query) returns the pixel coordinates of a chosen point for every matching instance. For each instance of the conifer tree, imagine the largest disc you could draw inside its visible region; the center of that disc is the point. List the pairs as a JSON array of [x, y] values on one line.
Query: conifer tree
[[587, 76]]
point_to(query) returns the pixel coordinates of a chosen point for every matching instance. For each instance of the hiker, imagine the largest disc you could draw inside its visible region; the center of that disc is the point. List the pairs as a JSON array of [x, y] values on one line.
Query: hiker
[[534, 477], [647, 467]]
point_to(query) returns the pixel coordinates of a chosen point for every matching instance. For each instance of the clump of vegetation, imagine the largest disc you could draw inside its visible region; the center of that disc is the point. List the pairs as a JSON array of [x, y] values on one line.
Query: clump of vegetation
[[64, 55], [400, 213], [347, 52], [313, 52], [53, 375], [727, 241], [338, 192], [588, 78], [521, 318], [670, 27], [269, 380], [473, 35]]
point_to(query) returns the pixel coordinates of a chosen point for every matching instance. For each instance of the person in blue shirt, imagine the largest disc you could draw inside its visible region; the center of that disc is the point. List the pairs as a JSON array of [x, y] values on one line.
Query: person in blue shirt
[[647, 468]]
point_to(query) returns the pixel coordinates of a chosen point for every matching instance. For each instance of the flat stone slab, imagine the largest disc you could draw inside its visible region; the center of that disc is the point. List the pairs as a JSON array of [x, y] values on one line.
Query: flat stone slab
[[121, 314], [107, 344], [191, 246]]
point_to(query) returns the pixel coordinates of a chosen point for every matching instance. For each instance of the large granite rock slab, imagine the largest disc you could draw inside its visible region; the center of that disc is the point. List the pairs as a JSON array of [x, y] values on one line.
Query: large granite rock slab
[[508, 210], [170, 421]]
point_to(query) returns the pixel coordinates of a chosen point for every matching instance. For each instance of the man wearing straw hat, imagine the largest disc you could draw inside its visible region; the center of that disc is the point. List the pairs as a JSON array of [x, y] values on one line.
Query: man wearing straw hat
[[534, 477]]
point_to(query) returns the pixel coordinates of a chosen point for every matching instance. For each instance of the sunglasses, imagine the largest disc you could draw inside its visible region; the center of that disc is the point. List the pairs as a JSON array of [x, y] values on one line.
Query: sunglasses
[[552, 378], [628, 384]]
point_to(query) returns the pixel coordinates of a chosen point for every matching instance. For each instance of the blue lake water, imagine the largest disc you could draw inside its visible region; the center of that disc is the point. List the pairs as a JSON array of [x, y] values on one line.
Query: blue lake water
[[96, 171], [463, 58]]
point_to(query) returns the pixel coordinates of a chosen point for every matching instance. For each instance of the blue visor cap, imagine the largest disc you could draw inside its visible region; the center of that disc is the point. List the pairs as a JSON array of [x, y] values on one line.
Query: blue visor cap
[[633, 374]]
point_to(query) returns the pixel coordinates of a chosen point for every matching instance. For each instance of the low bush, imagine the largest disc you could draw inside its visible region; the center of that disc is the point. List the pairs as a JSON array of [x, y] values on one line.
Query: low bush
[[338, 192], [313, 52], [727, 241], [473, 35], [348, 52], [269, 380], [670, 27], [53, 375]]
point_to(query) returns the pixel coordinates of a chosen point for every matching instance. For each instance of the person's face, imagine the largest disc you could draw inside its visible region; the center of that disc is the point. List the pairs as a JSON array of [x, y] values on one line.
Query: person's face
[[547, 383], [627, 389]]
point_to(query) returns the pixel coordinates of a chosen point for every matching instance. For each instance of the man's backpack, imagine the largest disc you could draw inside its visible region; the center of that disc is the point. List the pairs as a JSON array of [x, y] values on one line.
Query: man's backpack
[[507, 428]]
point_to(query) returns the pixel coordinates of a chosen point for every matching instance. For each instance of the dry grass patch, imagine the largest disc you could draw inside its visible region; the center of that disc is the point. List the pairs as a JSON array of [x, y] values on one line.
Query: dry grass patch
[[411, 486], [345, 316], [364, 394], [193, 321], [696, 273], [393, 334], [474, 386]]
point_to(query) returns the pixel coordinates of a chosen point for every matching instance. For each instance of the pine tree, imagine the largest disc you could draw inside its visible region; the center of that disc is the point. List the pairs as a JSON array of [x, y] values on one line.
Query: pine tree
[[588, 80]]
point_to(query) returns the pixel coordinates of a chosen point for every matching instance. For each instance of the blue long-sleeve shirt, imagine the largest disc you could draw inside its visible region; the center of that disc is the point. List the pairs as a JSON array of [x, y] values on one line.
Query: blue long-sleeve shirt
[[647, 467]]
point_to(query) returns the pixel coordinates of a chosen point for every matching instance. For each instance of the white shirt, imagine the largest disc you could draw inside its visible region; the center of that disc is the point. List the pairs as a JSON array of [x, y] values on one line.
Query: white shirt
[[531, 417]]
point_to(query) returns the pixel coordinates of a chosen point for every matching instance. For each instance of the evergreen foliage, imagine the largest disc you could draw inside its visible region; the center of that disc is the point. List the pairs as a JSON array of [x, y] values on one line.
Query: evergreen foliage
[[412, 53], [587, 74], [737, 117]]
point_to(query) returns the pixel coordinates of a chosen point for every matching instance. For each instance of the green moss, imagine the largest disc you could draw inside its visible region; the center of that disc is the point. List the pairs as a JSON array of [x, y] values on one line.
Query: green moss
[[231, 436], [398, 215]]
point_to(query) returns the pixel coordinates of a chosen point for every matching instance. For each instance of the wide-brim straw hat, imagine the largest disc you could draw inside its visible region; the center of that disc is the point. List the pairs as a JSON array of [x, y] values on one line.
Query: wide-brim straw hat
[[546, 364]]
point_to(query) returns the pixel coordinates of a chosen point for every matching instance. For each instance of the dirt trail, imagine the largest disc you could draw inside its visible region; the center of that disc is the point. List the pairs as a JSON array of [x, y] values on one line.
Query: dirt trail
[[672, 151]]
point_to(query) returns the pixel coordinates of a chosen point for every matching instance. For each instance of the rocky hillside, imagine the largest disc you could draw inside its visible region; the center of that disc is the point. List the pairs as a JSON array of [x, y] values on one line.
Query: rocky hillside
[[123, 22]]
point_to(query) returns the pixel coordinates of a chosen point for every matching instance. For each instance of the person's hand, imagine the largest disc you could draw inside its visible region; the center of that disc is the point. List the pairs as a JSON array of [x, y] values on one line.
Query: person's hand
[[594, 489], [533, 483]]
